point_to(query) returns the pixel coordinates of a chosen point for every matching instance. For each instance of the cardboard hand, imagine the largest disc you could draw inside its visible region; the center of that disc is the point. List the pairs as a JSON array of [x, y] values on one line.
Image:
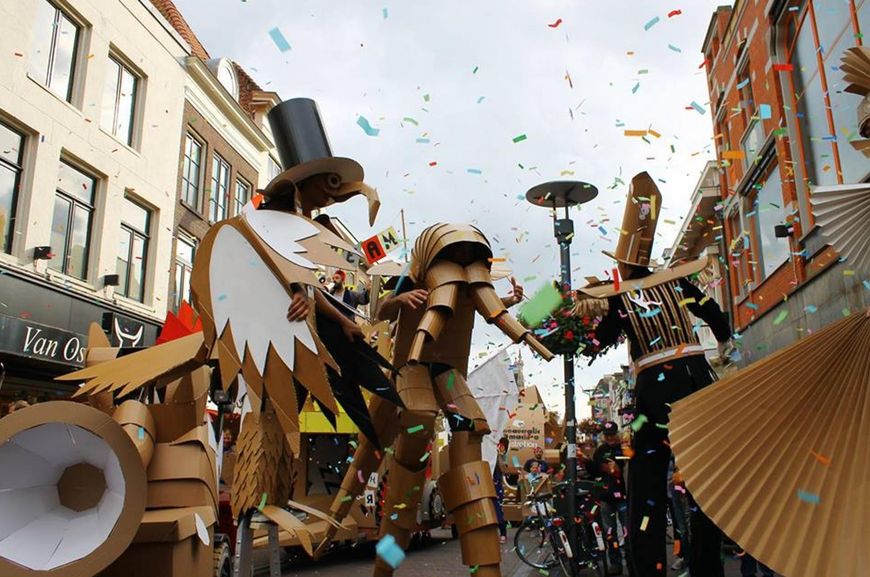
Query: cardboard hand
[[516, 294]]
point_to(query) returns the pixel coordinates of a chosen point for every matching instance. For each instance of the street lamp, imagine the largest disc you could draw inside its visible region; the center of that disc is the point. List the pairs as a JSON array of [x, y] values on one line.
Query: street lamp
[[565, 194]]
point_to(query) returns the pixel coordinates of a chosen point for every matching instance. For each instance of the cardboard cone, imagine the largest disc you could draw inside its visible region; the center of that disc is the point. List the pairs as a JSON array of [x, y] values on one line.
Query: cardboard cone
[[776, 455], [72, 491]]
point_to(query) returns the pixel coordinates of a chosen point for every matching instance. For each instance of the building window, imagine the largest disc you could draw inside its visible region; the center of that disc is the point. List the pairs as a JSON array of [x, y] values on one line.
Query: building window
[[185, 249], [752, 142], [71, 223], [767, 211], [191, 171], [133, 253], [220, 189], [11, 153], [274, 168], [243, 194], [53, 54], [119, 101], [815, 39]]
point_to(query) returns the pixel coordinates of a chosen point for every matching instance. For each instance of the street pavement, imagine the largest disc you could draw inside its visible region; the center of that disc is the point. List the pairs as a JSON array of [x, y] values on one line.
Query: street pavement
[[440, 558]]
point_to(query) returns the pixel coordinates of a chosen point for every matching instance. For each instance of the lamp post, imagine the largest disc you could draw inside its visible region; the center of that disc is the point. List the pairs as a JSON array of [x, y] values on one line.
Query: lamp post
[[565, 194]]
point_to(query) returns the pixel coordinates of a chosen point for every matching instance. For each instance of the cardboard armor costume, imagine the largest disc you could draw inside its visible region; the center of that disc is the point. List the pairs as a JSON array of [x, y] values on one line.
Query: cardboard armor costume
[[245, 276], [431, 352]]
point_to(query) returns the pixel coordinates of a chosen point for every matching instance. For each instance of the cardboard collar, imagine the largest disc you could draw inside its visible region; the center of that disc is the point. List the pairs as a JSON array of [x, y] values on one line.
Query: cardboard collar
[[659, 277]]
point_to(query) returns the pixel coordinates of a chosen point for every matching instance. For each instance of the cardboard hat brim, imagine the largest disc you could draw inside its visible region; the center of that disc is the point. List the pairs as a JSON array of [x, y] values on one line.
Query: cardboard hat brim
[[623, 260], [347, 169], [654, 279], [391, 268]]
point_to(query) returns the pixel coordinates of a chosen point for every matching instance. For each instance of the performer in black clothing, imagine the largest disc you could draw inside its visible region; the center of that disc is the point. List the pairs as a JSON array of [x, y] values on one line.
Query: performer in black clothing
[[651, 309]]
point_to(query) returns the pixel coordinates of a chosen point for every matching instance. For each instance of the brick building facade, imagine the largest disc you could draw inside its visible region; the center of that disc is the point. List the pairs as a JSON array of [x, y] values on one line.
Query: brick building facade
[[782, 124]]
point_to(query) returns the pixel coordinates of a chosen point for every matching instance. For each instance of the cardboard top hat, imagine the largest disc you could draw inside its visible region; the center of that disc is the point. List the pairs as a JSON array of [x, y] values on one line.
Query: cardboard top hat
[[642, 208], [303, 147]]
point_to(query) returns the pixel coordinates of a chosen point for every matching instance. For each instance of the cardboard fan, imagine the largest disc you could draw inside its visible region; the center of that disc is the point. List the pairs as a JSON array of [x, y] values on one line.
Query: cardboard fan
[[843, 211], [777, 456]]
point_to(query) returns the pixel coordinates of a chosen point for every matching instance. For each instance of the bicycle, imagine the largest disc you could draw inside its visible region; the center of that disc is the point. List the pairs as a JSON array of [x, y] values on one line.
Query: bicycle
[[541, 542]]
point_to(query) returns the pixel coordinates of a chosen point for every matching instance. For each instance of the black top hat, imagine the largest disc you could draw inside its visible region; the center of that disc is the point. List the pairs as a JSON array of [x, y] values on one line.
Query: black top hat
[[303, 147]]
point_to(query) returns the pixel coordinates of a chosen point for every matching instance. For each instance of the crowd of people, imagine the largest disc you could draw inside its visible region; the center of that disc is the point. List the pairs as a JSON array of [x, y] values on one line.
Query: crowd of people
[[603, 467]]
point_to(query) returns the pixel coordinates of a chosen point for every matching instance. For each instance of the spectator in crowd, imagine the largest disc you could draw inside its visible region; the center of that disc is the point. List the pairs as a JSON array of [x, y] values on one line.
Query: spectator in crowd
[[351, 299], [18, 405], [228, 440], [498, 476], [607, 466], [538, 457]]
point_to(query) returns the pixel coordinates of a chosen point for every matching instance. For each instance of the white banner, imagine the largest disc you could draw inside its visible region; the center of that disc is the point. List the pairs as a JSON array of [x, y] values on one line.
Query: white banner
[[494, 387]]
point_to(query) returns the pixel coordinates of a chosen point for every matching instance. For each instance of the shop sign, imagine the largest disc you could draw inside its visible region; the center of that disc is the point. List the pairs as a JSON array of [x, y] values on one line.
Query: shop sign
[[23, 338]]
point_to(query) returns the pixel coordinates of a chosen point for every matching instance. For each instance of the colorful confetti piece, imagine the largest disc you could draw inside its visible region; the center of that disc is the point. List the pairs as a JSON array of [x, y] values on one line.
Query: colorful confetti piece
[[279, 40]]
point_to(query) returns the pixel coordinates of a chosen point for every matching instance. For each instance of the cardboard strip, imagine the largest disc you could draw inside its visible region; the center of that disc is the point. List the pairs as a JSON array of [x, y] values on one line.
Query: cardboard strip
[[401, 505]]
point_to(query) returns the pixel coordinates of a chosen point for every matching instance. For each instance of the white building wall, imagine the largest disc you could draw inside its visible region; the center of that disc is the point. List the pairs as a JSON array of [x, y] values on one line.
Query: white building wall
[[147, 171]]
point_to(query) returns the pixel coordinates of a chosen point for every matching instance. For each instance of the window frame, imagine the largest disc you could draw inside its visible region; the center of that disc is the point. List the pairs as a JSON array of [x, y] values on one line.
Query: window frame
[[240, 204], [18, 171], [138, 79], [769, 167], [44, 78], [76, 203], [219, 162], [186, 268], [191, 136], [145, 236]]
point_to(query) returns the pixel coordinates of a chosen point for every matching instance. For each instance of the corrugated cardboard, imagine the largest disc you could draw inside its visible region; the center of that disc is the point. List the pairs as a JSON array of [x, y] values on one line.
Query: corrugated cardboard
[[172, 462], [136, 420], [167, 545], [179, 493], [132, 470]]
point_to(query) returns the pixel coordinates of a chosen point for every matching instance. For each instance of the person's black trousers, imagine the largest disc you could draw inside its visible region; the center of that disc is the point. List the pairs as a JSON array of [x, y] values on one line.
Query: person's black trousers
[[648, 474]]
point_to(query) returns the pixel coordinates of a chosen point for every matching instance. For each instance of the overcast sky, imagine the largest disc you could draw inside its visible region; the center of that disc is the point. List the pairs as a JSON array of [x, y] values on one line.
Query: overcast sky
[[454, 82]]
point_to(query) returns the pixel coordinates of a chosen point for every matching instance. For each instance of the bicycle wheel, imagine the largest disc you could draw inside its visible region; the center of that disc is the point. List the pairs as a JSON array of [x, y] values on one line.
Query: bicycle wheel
[[533, 546]]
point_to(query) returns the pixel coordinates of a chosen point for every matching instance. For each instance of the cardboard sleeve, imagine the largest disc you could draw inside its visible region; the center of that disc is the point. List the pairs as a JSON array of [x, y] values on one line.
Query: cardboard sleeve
[[136, 420], [452, 389], [475, 515], [466, 483]]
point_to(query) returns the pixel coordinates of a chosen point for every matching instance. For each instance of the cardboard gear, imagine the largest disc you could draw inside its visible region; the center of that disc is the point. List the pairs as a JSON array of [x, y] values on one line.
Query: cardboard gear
[[608, 289], [37, 534], [642, 208], [801, 477]]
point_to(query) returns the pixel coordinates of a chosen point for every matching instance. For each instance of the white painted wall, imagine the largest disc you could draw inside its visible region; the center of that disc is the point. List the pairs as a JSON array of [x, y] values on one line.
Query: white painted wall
[[148, 171]]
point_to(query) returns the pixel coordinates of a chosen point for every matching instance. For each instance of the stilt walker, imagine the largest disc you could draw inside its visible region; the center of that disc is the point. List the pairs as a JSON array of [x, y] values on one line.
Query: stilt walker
[[449, 280], [652, 310]]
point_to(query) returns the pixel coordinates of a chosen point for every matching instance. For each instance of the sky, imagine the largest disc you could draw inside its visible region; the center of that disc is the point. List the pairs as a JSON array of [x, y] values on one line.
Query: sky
[[451, 85]]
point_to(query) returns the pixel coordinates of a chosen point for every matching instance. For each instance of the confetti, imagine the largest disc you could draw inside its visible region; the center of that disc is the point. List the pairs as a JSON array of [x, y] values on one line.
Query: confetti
[[519, 138], [808, 497], [783, 67], [764, 111], [388, 550], [644, 522], [700, 109], [826, 461], [262, 501], [539, 307], [555, 24], [638, 422], [780, 317], [385, 12], [411, 120], [279, 40], [473, 171], [651, 23], [675, 48], [673, 13], [415, 429], [363, 123]]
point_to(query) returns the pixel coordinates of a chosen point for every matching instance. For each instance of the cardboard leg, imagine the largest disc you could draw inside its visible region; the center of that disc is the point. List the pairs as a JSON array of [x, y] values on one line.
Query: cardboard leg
[[243, 558], [469, 494], [366, 459]]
